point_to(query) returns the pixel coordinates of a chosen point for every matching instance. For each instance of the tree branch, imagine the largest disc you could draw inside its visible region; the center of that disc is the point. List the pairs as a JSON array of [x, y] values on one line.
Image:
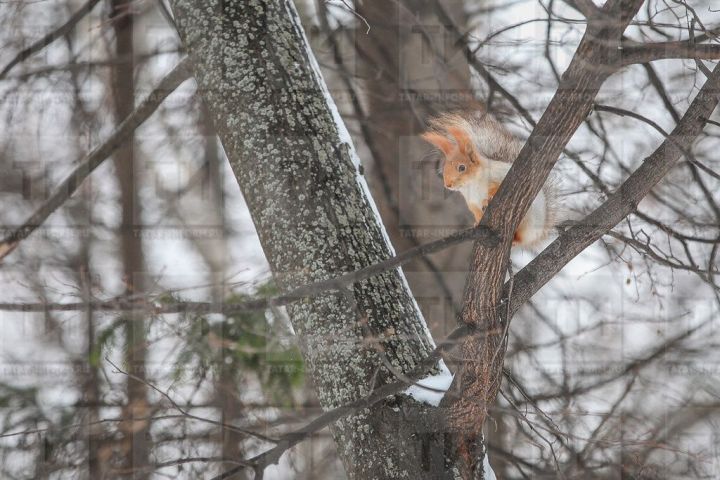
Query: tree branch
[[633, 53], [185, 412], [93, 159], [586, 7], [621, 203], [59, 32], [481, 234]]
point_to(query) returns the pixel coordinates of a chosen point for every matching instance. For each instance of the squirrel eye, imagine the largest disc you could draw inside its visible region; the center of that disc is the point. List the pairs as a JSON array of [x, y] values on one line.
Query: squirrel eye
[[461, 167]]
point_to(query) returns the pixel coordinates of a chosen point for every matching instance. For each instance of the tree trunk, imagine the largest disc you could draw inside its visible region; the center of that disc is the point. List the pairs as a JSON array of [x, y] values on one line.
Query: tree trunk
[[297, 168], [135, 427]]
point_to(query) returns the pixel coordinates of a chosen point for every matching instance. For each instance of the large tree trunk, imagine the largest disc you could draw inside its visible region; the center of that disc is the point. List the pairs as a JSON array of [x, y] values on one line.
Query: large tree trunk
[[296, 167]]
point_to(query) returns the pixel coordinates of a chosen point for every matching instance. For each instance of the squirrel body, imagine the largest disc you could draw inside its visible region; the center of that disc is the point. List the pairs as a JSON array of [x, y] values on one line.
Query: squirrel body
[[478, 154]]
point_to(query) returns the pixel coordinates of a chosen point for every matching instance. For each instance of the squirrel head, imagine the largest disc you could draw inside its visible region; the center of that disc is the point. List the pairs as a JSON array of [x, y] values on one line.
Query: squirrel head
[[462, 162]]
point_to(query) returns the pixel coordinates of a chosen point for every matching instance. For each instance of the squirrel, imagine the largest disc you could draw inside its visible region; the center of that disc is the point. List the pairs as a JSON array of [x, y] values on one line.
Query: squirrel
[[478, 153]]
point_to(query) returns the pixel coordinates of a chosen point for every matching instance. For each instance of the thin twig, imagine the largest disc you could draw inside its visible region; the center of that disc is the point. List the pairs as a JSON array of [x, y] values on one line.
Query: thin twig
[[188, 414]]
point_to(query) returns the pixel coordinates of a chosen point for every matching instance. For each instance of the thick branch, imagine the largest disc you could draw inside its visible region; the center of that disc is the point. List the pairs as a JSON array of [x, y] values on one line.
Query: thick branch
[[586, 7], [300, 176], [644, 53]]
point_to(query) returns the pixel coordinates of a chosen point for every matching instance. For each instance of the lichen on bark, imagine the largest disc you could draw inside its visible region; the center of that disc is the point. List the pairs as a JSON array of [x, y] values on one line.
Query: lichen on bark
[[312, 214]]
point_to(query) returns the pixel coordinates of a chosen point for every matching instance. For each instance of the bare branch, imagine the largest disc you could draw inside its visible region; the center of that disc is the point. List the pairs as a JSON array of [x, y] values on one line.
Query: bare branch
[[188, 414], [482, 234], [59, 32], [622, 202], [92, 160], [644, 53], [586, 7]]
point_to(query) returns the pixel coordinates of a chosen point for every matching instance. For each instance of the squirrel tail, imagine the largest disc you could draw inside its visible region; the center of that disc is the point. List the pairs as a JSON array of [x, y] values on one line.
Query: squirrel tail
[[553, 210]]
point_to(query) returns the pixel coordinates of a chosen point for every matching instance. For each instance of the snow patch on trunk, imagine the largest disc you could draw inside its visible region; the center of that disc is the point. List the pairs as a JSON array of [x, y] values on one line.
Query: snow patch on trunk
[[488, 473], [431, 389]]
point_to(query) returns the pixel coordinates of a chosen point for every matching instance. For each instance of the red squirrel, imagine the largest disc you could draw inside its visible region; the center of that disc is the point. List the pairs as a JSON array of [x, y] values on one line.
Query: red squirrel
[[478, 154]]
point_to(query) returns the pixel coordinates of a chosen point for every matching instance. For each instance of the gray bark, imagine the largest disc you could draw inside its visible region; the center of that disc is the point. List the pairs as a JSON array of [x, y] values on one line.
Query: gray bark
[[314, 219]]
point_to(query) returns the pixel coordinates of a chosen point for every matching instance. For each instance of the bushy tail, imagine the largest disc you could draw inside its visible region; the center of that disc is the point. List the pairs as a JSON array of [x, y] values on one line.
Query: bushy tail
[[553, 210]]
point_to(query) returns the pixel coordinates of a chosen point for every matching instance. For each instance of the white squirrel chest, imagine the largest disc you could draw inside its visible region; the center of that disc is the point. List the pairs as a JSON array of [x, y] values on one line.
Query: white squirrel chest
[[476, 190]]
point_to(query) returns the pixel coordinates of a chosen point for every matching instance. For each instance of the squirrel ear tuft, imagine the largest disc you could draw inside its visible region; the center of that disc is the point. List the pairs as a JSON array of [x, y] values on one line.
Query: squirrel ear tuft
[[462, 139], [443, 143]]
